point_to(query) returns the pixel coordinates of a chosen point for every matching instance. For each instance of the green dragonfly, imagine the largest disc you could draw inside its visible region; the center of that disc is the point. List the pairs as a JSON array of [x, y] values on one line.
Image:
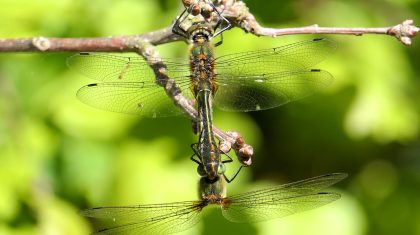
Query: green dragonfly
[[261, 205], [246, 81]]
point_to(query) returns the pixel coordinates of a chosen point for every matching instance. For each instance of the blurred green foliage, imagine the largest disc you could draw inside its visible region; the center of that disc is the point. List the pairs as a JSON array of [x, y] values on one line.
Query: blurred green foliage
[[58, 156]]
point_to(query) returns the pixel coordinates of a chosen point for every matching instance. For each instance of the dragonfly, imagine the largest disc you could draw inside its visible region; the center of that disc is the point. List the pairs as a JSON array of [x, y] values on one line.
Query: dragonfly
[[246, 81], [203, 89], [251, 207]]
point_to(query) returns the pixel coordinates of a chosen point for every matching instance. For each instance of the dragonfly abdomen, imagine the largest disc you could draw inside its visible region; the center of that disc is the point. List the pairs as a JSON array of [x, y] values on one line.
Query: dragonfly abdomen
[[209, 152]]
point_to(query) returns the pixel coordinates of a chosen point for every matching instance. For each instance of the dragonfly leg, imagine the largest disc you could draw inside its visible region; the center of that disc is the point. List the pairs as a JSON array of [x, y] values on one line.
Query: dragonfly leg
[[228, 160], [219, 42], [220, 24], [196, 154], [215, 29], [236, 174], [176, 26]]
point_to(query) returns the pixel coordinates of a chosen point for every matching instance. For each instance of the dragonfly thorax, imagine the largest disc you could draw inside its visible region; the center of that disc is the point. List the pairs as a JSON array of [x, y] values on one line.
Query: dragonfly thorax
[[202, 65], [214, 168], [212, 190]]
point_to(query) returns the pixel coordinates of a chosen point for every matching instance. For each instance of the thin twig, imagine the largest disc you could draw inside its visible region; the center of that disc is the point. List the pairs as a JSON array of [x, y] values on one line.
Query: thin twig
[[238, 14], [148, 51], [152, 56]]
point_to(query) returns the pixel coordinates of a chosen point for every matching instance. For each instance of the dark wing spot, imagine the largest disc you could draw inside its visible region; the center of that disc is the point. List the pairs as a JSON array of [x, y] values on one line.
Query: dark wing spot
[[317, 39], [322, 193], [84, 53], [315, 70], [93, 84]]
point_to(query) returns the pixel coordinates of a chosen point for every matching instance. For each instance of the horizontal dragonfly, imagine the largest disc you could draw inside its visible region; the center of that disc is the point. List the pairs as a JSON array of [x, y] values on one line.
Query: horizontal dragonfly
[[245, 81], [251, 207]]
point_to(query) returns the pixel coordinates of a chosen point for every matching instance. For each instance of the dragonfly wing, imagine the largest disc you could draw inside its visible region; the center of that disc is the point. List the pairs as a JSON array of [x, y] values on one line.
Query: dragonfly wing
[[264, 210], [280, 201], [123, 68], [129, 83], [268, 90], [140, 98], [302, 187], [148, 219], [295, 56]]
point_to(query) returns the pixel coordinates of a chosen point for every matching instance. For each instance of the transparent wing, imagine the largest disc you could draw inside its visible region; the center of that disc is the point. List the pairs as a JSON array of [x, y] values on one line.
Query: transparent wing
[[268, 90], [129, 84], [148, 219], [123, 68], [140, 98], [295, 56], [280, 201], [268, 78]]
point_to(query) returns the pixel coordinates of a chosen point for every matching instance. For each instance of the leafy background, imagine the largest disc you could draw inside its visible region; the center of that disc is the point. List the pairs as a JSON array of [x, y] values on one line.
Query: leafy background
[[58, 156]]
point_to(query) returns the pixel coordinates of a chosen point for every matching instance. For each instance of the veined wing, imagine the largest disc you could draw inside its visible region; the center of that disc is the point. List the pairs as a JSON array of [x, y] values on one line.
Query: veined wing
[[123, 68], [268, 90], [129, 84], [163, 218], [141, 98], [280, 201], [295, 56], [269, 78]]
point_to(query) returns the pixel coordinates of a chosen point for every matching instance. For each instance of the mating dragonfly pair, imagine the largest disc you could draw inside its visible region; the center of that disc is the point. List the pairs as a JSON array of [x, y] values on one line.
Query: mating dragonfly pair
[[247, 81]]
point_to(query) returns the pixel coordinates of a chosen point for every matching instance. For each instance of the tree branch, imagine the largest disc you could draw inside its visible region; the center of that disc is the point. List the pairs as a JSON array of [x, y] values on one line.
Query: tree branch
[[108, 44], [235, 11]]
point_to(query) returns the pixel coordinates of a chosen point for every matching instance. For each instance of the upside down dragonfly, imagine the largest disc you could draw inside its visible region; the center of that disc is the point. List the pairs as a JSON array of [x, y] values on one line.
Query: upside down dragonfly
[[256, 206], [203, 87]]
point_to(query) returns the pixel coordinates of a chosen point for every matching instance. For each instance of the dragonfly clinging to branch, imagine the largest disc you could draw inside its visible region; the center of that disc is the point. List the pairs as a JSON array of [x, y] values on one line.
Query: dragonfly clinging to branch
[[246, 81]]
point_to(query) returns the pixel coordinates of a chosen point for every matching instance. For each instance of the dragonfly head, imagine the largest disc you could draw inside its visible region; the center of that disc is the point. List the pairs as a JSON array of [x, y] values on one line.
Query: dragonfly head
[[201, 171], [212, 190], [200, 33]]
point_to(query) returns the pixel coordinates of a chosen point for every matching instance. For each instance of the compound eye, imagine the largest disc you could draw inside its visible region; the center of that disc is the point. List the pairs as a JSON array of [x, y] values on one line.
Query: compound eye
[[200, 170], [221, 169]]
